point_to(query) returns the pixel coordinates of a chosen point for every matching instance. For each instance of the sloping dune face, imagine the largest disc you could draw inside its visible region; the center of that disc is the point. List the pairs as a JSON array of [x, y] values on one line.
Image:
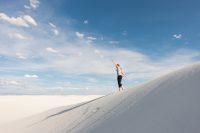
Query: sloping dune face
[[172, 106], [169, 104]]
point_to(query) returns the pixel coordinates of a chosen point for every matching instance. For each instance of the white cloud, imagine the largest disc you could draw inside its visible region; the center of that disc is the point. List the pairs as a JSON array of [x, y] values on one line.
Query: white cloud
[[7, 82], [114, 42], [27, 7], [21, 56], [34, 3], [71, 53], [177, 36], [133, 61], [52, 25], [24, 21], [18, 36], [91, 38], [30, 76], [49, 49], [97, 60], [19, 21], [12, 82], [85, 21], [55, 31], [80, 35], [30, 20], [54, 28]]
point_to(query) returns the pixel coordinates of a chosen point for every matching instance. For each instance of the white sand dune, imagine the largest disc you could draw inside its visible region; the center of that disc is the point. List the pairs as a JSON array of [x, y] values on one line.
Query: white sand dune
[[169, 104], [13, 107]]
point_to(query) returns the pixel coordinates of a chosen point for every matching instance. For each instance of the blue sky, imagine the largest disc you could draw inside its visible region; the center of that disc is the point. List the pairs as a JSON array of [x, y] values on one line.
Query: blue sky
[[66, 46]]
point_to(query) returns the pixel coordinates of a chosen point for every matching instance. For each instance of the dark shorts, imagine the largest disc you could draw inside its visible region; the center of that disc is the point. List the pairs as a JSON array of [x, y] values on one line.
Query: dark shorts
[[119, 80]]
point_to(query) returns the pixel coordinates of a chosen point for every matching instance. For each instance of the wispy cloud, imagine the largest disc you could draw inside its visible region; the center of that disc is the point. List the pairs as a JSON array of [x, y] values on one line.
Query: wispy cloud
[[29, 20], [85, 21], [177, 36], [97, 61], [51, 50], [80, 35], [52, 25], [21, 56], [27, 7], [7, 82], [30, 76], [34, 3], [114, 42], [24, 21], [91, 38], [54, 29], [18, 36]]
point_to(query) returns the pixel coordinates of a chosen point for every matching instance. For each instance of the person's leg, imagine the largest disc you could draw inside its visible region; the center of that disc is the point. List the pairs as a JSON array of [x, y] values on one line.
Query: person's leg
[[121, 83], [118, 82], [119, 79]]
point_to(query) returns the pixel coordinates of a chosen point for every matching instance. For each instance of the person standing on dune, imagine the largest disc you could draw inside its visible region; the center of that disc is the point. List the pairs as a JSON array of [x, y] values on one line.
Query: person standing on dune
[[120, 74]]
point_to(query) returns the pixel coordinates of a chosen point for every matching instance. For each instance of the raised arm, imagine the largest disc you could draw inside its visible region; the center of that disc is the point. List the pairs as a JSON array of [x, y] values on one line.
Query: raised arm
[[114, 63]]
